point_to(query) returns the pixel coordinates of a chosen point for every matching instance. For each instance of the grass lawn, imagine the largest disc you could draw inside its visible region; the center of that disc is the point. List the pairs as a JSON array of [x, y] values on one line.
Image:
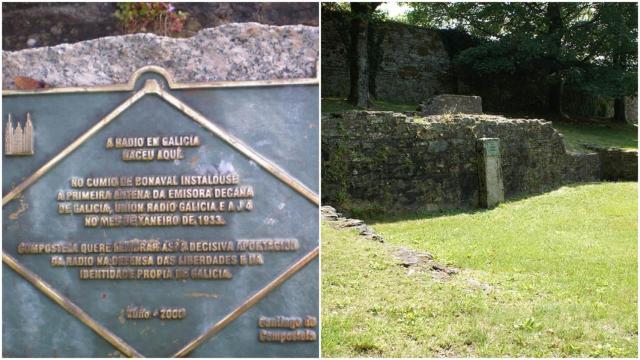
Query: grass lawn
[[617, 135], [562, 270]]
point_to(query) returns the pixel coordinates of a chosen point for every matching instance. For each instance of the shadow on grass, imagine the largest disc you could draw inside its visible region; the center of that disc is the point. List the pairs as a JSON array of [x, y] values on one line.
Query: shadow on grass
[[395, 216]]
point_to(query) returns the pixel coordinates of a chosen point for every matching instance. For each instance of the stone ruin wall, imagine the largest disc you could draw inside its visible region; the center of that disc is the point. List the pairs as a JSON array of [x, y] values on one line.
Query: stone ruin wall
[[413, 63], [451, 104], [631, 109], [617, 164], [430, 163]]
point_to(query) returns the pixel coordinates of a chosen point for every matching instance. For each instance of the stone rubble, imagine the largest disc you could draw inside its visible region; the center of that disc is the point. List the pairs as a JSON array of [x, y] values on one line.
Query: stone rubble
[[247, 51], [338, 221], [414, 261], [417, 261]]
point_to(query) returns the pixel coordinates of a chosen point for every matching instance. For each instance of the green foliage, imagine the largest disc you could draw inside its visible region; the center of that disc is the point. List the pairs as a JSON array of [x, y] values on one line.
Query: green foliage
[[592, 47], [359, 18], [335, 171], [490, 59], [456, 40], [336, 6], [583, 105], [612, 81], [160, 18], [362, 209], [562, 269], [479, 19], [528, 324], [344, 10], [611, 45]]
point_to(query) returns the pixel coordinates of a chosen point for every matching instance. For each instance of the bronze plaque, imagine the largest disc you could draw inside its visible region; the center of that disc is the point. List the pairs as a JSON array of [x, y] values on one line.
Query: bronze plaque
[[161, 219]]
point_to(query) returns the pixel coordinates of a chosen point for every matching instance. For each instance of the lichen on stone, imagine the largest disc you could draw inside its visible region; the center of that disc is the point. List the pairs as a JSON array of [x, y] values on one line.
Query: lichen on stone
[[247, 51]]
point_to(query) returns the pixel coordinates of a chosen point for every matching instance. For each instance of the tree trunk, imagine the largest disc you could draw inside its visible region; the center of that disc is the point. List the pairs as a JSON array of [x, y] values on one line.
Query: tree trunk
[[362, 99], [353, 59], [554, 97], [619, 110], [358, 54], [555, 33], [619, 59]]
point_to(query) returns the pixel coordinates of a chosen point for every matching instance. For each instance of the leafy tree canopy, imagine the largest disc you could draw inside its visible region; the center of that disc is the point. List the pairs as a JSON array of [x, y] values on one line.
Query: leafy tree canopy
[[591, 46]]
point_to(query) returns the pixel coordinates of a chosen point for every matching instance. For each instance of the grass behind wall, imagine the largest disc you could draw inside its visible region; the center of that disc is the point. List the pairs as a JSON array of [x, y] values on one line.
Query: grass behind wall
[[623, 136]]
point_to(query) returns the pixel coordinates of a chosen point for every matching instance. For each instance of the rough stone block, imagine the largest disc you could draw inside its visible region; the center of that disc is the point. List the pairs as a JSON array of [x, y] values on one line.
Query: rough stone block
[[246, 51], [451, 104], [631, 109], [490, 172]]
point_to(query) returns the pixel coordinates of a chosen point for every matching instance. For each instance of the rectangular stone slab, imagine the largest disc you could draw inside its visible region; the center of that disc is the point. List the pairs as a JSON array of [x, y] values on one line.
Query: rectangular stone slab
[[161, 219], [490, 170]]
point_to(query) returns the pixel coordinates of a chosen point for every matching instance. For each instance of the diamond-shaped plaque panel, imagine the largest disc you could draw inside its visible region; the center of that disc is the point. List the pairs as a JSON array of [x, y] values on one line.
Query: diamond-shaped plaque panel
[[279, 123]]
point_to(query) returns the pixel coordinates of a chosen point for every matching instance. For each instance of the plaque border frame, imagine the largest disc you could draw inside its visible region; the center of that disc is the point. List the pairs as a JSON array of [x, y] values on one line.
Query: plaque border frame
[[151, 86], [130, 85]]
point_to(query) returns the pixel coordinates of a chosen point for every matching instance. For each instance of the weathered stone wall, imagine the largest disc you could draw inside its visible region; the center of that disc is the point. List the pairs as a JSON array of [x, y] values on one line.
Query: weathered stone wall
[[631, 109], [582, 167], [246, 51], [430, 163], [451, 104], [409, 63], [617, 164], [335, 66]]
